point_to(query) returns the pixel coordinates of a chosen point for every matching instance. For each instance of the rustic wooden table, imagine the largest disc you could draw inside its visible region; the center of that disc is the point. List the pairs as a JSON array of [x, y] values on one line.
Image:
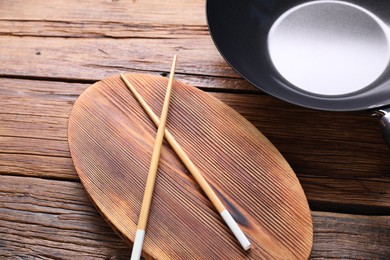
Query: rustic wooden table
[[50, 51]]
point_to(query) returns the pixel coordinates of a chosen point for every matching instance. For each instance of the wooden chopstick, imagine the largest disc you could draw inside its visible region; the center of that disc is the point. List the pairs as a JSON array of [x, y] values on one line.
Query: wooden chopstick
[[194, 171], [151, 180]]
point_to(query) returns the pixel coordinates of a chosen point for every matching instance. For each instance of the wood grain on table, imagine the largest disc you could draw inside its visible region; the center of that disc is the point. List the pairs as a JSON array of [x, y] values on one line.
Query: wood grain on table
[[50, 51]]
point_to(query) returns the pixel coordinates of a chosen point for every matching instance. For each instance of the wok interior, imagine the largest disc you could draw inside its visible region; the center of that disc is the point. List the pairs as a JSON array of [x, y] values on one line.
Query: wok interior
[[329, 47]]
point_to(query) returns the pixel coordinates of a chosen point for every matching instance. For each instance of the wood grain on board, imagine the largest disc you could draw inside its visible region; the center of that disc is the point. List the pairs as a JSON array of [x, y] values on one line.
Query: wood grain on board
[[111, 140]]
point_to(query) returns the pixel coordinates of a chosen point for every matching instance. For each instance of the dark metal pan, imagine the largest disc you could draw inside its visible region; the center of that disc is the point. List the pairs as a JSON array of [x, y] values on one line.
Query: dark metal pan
[[327, 55]]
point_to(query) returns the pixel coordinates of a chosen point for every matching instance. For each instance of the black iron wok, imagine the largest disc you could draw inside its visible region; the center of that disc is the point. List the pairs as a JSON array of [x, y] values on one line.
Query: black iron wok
[[254, 38]]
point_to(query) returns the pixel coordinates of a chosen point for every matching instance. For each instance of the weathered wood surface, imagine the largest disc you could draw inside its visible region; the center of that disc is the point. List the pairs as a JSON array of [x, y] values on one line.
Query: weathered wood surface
[[55, 219], [92, 59], [48, 49], [111, 140], [111, 41], [348, 171], [136, 12]]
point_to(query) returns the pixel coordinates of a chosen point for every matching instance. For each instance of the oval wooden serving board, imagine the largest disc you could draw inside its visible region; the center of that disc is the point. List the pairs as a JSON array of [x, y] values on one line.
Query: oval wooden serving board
[[111, 140]]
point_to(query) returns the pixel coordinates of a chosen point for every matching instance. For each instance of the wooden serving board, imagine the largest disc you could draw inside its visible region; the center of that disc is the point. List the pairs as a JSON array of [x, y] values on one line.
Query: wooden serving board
[[111, 140]]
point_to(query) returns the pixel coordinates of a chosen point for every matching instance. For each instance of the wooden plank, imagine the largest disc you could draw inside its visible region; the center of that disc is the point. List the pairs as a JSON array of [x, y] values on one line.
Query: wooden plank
[[348, 195], [137, 11], [153, 37], [33, 127], [101, 29], [90, 59], [164, 30], [54, 219], [342, 236], [33, 142]]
